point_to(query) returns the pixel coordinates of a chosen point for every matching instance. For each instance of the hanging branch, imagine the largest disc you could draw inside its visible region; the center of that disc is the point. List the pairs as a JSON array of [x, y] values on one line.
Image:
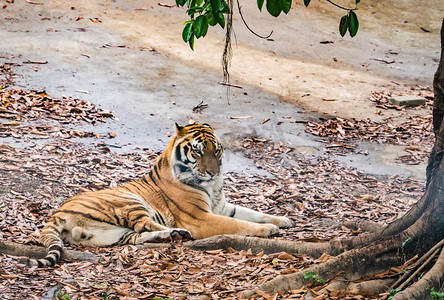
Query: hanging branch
[[227, 54], [248, 27], [341, 7]]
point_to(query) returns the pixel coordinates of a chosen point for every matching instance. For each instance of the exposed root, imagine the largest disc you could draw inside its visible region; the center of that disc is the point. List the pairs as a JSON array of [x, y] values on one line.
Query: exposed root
[[51, 293], [418, 265], [259, 244], [433, 279], [349, 262], [369, 288], [15, 249], [364, 225]]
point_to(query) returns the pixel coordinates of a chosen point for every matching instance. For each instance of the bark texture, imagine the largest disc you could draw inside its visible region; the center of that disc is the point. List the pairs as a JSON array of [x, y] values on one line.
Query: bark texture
[[15, 249]]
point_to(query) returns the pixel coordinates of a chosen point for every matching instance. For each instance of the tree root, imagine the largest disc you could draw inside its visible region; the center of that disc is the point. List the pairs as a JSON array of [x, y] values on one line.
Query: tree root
[[433, 279], [51, 293], [418, 266], [350, 262], [16, 249], [368, 288], [364, 225], [259, 244]]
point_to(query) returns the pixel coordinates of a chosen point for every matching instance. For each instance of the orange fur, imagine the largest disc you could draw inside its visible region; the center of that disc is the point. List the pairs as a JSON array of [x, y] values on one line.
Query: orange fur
[[182, 194]]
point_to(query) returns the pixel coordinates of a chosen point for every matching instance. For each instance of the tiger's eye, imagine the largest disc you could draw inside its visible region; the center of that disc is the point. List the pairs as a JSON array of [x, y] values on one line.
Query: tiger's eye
[[197, 151]]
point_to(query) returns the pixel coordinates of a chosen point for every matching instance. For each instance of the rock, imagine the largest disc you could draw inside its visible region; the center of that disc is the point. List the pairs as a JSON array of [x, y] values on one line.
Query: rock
[[408, 100]]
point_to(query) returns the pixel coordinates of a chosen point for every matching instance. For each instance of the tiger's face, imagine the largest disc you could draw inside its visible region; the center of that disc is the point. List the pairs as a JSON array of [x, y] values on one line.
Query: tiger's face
[[197, 154]]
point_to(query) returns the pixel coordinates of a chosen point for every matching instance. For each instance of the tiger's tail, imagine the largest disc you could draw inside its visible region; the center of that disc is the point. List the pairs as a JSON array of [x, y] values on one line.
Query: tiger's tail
[[51, 238]]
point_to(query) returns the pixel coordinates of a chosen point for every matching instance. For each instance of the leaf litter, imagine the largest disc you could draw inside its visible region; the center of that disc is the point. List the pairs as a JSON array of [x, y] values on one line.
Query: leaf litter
[[316, 193], [416, 134]]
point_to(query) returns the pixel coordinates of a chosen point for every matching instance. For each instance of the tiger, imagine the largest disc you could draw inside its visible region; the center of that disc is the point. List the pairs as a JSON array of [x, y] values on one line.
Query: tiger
[[181, 197]]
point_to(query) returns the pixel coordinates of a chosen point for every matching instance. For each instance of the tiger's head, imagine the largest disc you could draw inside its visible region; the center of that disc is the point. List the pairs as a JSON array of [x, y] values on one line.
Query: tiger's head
[[196, 155]]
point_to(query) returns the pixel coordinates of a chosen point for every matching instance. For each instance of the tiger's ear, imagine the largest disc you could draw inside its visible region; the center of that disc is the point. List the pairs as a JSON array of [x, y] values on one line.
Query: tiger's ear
[[179, 129], [207, 125]]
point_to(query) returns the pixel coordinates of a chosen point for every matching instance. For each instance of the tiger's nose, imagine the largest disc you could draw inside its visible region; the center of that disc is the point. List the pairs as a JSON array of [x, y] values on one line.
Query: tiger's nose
[[212, 174]]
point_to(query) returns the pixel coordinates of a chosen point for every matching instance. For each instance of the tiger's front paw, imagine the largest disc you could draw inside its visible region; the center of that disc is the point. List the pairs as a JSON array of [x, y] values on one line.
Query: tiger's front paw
[[267, 230], [180, 234], [282, 222]]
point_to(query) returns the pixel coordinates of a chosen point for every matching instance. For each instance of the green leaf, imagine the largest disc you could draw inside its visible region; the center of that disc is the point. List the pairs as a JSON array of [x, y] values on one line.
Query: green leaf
[[260, 3], [187, 32], [405, 242], [285, 5], [180, 2], [200, 26], [195, 9], [225, 8], [310, 275], [354, 24], [306, 3], [273, 8], [357, 1], [191, 3], [220, 19], [343, 25], [191, 41], [216, 5], [212, 21]]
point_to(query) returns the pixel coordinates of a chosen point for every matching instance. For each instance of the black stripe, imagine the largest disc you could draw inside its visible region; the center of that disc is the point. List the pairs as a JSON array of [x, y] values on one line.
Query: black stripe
[[161, 218], [56, 253], [199, 207], [55, 248], [183, 168], [110, 196], [156, 217], [137, 218], [136, 185], [196, 134], [123, 238], [144, 180], [137, 207], [180, 208], [178, 155], [186, 150], [40, 264], [101, 210], [85, 215], [51, 260], [156, 170], [233, 212], [151, 176]]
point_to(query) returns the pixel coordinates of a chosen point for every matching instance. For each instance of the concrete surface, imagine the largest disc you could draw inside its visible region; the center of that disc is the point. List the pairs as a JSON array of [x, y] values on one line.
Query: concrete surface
[[134, 62]]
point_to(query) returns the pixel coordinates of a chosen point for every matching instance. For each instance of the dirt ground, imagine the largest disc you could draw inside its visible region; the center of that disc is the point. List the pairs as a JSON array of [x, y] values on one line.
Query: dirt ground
[[128, 57], [131, 59]]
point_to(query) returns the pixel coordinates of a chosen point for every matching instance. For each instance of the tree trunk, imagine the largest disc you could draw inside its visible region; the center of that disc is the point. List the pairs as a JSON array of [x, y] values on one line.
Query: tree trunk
[[419, 231]]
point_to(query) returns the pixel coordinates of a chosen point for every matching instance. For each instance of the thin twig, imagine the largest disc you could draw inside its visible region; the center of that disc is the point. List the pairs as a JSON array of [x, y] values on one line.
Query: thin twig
[[231, 85], [341, 7], [248, 27]]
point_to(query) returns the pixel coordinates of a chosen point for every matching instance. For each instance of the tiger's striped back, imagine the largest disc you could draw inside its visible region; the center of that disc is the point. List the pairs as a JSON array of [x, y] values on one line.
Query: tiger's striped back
[[122, 215]]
